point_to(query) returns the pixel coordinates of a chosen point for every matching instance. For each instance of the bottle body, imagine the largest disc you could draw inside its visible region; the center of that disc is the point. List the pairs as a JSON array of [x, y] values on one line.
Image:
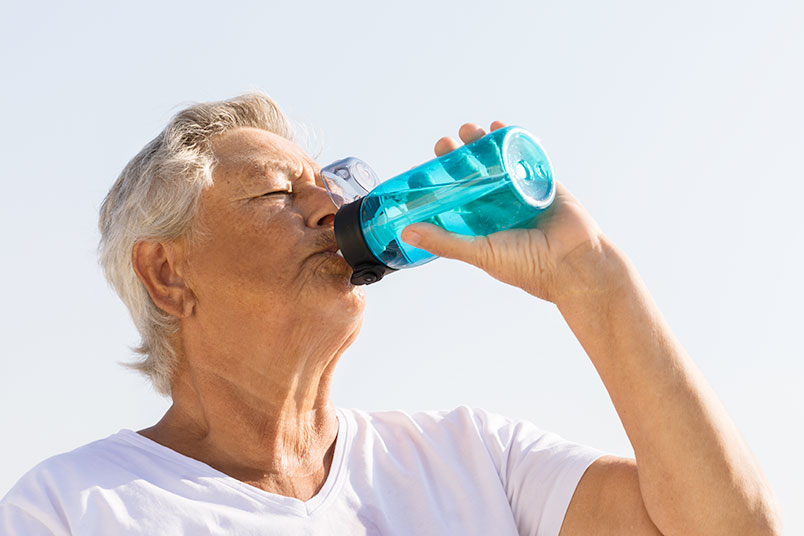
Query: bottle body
[[501, 181]]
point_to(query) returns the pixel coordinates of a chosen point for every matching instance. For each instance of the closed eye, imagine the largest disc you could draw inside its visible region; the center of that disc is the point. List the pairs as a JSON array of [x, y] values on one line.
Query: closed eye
[[277, 192]]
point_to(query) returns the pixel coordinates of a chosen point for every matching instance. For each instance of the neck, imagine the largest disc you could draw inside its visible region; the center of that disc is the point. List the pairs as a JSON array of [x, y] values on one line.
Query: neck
[[262, 417]]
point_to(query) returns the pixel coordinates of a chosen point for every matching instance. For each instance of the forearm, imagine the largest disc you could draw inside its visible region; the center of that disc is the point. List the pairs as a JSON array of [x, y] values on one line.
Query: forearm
[[696, 473]]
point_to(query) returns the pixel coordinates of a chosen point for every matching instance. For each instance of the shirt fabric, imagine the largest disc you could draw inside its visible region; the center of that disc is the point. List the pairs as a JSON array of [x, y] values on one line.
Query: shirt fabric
[[464, 471]]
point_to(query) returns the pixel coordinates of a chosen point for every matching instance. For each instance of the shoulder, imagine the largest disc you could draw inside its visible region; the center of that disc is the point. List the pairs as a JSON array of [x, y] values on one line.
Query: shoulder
[[516, 447], [460, 429], [84, 463], [65, 476], [463, 421], [439, 422], [47, 493]]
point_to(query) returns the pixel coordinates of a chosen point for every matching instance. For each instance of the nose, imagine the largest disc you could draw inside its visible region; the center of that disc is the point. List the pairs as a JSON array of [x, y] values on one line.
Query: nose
[[319, 210]]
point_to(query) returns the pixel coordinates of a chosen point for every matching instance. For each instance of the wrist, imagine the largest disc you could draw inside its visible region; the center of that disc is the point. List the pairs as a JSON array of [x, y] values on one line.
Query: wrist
[[595, 273]]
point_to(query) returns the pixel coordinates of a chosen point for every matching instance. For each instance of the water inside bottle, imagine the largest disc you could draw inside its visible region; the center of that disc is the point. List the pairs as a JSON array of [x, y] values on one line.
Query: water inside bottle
[[477, 206]]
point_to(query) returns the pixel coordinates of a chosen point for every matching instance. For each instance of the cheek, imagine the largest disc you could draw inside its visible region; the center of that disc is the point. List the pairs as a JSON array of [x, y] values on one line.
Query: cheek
[[248, 256]]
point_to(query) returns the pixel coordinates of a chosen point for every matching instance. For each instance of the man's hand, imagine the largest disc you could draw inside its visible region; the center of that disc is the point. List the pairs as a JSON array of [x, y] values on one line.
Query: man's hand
[[534, 259]]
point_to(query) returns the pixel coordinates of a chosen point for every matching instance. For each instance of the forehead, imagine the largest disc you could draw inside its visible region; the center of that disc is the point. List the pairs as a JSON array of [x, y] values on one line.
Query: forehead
[[251, 153]]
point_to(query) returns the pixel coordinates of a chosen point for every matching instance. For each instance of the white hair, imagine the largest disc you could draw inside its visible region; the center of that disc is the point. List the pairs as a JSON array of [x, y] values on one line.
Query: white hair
[[156, 197]]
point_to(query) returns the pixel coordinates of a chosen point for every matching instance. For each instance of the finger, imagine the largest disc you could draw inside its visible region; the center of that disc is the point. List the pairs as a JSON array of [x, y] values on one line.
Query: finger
[[497, 124], [470, 132], [439, 242], [445, 145]]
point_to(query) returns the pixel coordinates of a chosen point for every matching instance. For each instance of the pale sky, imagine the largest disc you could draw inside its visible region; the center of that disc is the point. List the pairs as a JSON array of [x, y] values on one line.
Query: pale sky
[[680, 127]]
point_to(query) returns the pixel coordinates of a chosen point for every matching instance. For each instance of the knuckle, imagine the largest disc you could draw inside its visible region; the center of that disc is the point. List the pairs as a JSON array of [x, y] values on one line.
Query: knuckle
[[486, 254]]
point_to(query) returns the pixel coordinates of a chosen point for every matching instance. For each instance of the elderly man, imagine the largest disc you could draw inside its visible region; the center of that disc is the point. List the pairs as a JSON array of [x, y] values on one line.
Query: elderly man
[[219, 237]]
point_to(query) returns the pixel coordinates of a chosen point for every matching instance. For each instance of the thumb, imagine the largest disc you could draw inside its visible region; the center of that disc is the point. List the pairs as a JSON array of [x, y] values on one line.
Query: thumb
[[437, 241]]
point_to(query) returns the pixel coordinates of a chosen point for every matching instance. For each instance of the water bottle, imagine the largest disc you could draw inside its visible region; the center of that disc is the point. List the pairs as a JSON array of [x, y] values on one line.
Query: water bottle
[[501, 181]]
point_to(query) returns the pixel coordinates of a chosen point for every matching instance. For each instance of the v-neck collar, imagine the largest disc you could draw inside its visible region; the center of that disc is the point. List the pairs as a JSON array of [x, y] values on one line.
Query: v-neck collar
[[335, 477]]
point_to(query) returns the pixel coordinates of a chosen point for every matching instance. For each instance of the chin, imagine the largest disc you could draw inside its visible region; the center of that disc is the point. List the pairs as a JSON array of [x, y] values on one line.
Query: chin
[[340, 303], [336, 275]]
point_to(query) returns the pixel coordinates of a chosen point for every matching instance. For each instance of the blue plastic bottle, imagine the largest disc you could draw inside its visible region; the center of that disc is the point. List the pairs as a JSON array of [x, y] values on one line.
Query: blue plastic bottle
[[501, 181]]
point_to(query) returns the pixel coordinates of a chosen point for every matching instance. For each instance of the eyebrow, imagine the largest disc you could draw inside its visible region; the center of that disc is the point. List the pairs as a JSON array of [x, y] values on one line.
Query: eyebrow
[[258, 169]]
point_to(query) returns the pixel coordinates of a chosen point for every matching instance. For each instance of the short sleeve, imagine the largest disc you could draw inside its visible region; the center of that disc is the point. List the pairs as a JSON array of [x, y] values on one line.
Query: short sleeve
[[539, 470]]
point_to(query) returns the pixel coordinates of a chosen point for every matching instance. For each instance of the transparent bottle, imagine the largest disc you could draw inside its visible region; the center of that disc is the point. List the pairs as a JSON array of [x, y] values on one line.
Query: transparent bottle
[[501, 181]]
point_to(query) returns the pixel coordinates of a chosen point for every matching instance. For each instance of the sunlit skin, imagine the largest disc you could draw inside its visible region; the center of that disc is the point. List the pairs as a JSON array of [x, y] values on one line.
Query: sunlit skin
[[266, 310], [693, 473]]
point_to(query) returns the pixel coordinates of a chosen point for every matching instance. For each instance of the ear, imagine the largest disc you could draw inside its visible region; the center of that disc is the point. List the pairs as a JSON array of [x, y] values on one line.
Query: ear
[[158, 266]]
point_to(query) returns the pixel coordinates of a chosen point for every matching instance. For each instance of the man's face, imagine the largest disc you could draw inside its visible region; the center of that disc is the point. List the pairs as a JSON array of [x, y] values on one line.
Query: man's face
[[269, 243]]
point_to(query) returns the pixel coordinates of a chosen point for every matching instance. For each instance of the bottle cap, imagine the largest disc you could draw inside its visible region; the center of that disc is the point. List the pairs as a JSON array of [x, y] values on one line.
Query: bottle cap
[[348, 179]]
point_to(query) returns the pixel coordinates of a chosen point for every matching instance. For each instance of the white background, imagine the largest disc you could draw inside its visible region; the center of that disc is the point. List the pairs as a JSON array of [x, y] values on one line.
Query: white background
[[680, 126]]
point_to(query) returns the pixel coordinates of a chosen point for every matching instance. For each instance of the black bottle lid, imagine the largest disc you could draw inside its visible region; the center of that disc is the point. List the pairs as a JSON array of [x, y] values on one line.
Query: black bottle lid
[[366, 268]]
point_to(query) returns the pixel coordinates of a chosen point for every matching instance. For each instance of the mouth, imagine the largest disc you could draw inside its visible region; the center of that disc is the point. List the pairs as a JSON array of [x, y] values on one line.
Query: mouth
[[328, 248], [329, 245], [333, 252], [332, 249]]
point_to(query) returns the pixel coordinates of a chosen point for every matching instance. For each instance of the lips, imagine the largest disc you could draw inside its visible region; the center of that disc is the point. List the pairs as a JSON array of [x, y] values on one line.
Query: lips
[[328, 245], [332, 250]]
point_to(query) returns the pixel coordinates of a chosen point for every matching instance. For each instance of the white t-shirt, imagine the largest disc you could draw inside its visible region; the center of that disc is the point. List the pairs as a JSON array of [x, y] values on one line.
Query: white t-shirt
[[464, 471]]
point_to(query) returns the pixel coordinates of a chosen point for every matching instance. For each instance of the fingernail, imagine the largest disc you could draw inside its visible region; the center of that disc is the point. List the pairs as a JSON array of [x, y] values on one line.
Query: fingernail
[[411, 237]]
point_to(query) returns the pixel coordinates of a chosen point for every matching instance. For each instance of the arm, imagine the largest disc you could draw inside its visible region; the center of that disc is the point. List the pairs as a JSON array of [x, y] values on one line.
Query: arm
[[693, 473]]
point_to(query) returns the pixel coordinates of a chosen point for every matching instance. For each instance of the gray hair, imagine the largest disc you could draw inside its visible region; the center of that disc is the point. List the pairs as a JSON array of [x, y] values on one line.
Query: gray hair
[[156, 197]]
